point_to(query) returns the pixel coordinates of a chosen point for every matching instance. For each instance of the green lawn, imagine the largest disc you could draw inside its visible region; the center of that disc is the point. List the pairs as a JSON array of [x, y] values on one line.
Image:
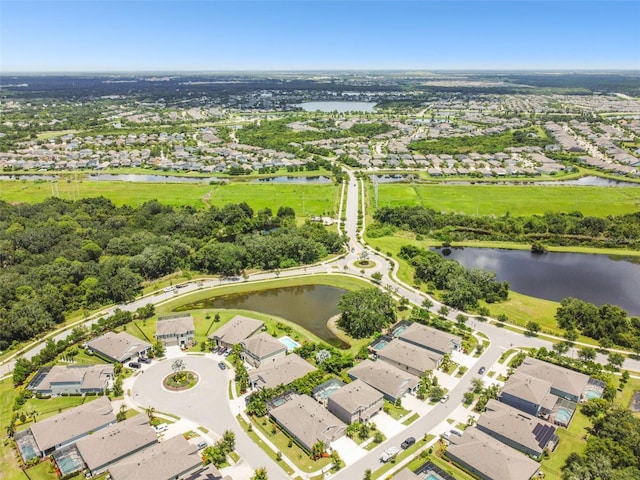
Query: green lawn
[[295, 453], [571, 440], [518, 200], [305, 199], [393, 411]]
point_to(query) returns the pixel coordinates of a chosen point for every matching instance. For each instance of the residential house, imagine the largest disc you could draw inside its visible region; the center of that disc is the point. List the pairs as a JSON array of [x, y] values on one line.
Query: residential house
[[488, 458], [168, 460], [528, 394], [72, 379], [210, 472], [308, 422], [66, 428], [355, 402], [526, 433], [392, 382], [119, 347], [279, 371], [236, 330], [116, 442], [429, 338], [409, 357], [260, 348], [565, 383], [177, 329]]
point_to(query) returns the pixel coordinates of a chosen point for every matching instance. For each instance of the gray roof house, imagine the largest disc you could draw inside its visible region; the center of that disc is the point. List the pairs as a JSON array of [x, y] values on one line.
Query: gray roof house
[[116, 442], [279, 371], [175, 329], [70, 426], [527, 393], [430, 338], [489, 458], [409, 357], [210, 472], [168, 460], [565, 383], [68, 379], [355, 402], [236, 330], [307, 421], [527, 433], [261, 348], [392, 382], [119, 347]]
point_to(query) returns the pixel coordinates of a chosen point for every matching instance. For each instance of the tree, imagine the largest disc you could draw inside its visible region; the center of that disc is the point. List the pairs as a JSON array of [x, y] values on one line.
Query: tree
[[376, 276], [158, 349], [318, 449], [443, 311], [178, 366], [260, 474], [367, 474], [122, 413], [150, 411], [533, 328], [365, 312], [229, 440], [616, 359], [587, 354], [468, 397]]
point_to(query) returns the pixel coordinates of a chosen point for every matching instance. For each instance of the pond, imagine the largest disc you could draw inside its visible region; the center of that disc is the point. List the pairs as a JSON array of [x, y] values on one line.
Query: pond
[[309, 306], [143, 178], [598, 279], [286, 179], [337, 106]]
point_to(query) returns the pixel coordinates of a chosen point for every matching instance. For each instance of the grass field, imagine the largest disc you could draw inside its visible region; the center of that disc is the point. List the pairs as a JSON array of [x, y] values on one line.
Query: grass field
[[305, 199], [572, 440], [518, 200]]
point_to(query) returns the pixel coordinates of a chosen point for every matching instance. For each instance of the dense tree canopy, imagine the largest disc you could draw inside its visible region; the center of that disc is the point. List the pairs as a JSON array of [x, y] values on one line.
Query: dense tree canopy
[[365, 312], [59, 256], [462, 287], [554, 228]]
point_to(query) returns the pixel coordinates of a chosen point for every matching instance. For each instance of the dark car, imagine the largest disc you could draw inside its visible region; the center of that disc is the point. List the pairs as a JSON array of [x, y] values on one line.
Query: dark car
[[144, 360], [222, 366], [134, 365], [482, 370], [407, 443]]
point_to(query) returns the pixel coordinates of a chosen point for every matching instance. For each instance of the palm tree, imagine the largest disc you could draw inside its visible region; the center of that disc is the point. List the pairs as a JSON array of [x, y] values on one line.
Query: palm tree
[[150, 411], [260, 474]]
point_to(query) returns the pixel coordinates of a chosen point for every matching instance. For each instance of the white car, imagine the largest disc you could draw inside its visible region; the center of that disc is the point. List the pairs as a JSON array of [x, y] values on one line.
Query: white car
[[389, 453]]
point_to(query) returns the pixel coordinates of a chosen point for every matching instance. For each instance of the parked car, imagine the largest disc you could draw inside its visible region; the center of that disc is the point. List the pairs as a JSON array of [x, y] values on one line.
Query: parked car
[[161, 427], [222, 366], [226, 353], [482, 370], [169, 289], [389, 453], [144, 360], [201, 445], [444, 398], [134, 365], [407, 443]]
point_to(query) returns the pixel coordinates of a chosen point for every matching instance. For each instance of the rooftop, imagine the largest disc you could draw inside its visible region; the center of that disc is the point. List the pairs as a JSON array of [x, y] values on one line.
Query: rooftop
[[237, 329], [561, 378], [73, 423], [119, 346], [280, 371], [384, 377], [174, 325], [263, 345], [355, 395], [491, 457]]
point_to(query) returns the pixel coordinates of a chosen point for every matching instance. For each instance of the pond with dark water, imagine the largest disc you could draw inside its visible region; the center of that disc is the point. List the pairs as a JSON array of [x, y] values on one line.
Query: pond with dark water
[[309, 306], [286, 179], [598, 279]]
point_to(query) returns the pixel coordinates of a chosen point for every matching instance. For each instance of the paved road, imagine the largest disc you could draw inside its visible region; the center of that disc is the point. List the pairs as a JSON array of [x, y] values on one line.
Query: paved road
[[206, 404]]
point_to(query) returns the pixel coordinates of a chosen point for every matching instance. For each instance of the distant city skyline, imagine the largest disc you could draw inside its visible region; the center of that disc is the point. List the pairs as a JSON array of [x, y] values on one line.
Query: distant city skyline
[[166, 35]]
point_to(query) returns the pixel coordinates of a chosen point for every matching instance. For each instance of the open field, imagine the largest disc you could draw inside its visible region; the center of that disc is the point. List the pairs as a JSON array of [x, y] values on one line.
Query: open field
[[305, 199], [518, 200]]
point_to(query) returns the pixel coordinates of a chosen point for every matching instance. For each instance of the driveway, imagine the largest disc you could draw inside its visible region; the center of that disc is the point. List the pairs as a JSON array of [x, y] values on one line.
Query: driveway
[[206, 404]]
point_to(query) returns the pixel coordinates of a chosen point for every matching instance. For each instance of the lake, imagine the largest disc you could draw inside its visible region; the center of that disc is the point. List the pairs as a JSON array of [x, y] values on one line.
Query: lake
[[309, 306], [553, 276], [286, 179], [337, 106]]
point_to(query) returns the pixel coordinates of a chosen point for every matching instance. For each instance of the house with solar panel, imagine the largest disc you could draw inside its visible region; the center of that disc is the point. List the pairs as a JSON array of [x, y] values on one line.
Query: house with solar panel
[[526, 433]]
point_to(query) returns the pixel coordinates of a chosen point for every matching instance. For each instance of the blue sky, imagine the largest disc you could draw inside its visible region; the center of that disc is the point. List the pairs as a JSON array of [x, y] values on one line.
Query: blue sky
[[162, 35]]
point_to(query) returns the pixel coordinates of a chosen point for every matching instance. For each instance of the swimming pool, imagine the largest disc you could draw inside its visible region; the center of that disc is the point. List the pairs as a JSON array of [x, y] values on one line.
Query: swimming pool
[[399, 331], [589, 394], [432, 476], [563, 415], [380, 345], [289, 342]]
